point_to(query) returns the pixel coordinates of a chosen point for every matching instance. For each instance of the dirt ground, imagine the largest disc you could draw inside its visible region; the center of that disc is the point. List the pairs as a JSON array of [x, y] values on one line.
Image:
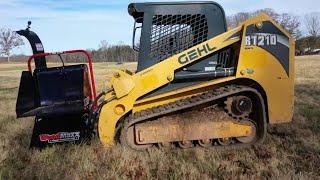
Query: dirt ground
[[290, 151]]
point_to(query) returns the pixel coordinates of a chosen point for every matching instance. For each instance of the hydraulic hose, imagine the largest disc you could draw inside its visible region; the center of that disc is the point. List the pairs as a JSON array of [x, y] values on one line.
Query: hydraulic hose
[[105, 102], [98, 97], [95, 101]]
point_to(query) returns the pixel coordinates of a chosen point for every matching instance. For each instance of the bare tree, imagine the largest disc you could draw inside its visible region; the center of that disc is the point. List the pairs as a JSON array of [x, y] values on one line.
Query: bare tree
[[287, 21], [291, 24], [9, 40], [238, 18], [103, 45], [312, 22], [229, 22], [271, 12]]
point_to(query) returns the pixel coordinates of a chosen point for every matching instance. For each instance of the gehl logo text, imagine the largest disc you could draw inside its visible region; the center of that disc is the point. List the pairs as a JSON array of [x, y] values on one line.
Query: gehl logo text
[[195, 53]]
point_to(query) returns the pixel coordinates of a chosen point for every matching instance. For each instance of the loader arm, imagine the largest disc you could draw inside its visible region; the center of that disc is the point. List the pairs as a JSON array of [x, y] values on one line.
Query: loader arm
[[128, 88]]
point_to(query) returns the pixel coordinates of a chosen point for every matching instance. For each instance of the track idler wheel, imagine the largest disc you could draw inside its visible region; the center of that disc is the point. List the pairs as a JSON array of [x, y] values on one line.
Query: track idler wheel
[[238, 107], [253, 136], [127, 139]]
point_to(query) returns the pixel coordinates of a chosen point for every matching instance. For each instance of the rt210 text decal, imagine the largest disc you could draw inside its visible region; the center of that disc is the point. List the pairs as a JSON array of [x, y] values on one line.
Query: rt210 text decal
[[261, 39]]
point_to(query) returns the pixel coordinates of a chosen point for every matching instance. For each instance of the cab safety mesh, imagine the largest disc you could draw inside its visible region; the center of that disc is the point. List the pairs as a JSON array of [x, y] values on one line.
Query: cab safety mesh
[[172, 34]]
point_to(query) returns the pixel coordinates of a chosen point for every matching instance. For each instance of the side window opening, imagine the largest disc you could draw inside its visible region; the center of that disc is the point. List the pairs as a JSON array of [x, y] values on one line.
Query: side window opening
[[137, 34]]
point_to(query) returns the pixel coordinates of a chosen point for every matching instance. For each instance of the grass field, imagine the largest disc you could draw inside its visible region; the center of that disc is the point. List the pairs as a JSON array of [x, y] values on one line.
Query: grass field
[[290, 151]]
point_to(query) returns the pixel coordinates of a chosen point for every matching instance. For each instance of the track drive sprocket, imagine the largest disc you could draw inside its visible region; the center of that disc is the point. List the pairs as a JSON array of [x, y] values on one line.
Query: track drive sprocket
[[238, 107]]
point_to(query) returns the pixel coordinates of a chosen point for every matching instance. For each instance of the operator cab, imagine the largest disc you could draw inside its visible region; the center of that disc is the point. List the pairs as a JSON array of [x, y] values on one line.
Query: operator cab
[[169, 28]]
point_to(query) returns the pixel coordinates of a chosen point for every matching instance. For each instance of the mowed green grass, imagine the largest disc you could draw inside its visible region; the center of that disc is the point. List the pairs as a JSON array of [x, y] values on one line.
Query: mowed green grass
[[290, 151]]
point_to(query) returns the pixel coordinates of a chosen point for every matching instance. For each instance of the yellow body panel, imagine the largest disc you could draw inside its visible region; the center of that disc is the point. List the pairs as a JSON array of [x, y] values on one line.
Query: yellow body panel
[[267, 72], [271, 76]]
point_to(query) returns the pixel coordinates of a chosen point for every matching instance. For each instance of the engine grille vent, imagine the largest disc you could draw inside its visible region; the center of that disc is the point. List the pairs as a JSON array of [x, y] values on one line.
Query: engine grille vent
[[172, 34], [223, 59]]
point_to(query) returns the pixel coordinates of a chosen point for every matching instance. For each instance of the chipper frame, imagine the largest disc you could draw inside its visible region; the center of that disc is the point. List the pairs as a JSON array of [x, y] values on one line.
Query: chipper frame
[[196, 83]]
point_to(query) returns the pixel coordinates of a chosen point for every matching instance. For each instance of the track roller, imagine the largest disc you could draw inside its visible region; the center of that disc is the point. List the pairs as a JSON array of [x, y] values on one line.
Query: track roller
[[185, 144], [166, 145], [224, 141], [205, 142]]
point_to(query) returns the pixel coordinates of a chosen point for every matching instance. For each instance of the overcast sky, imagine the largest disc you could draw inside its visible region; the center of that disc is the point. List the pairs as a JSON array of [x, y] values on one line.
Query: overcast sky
[[82, 24]]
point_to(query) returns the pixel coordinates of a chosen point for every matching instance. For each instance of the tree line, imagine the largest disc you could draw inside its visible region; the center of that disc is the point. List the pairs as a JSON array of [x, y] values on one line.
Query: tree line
[[307, 42], [105, 53]]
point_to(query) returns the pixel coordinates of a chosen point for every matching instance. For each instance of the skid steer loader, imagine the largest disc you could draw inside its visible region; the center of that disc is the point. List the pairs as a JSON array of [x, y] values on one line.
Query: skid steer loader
[[196, 83]]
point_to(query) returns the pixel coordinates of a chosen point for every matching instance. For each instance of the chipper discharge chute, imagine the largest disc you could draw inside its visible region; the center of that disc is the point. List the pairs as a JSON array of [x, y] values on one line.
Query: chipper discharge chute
[[196, 83]]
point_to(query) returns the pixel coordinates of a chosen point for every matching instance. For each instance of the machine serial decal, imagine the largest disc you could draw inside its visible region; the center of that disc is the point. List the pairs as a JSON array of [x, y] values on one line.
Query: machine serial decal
[[60, 137], [195, 53], [265, 39]]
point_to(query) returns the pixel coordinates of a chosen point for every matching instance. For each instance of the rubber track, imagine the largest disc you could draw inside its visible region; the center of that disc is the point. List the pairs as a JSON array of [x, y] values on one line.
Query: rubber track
[[195, 100]]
